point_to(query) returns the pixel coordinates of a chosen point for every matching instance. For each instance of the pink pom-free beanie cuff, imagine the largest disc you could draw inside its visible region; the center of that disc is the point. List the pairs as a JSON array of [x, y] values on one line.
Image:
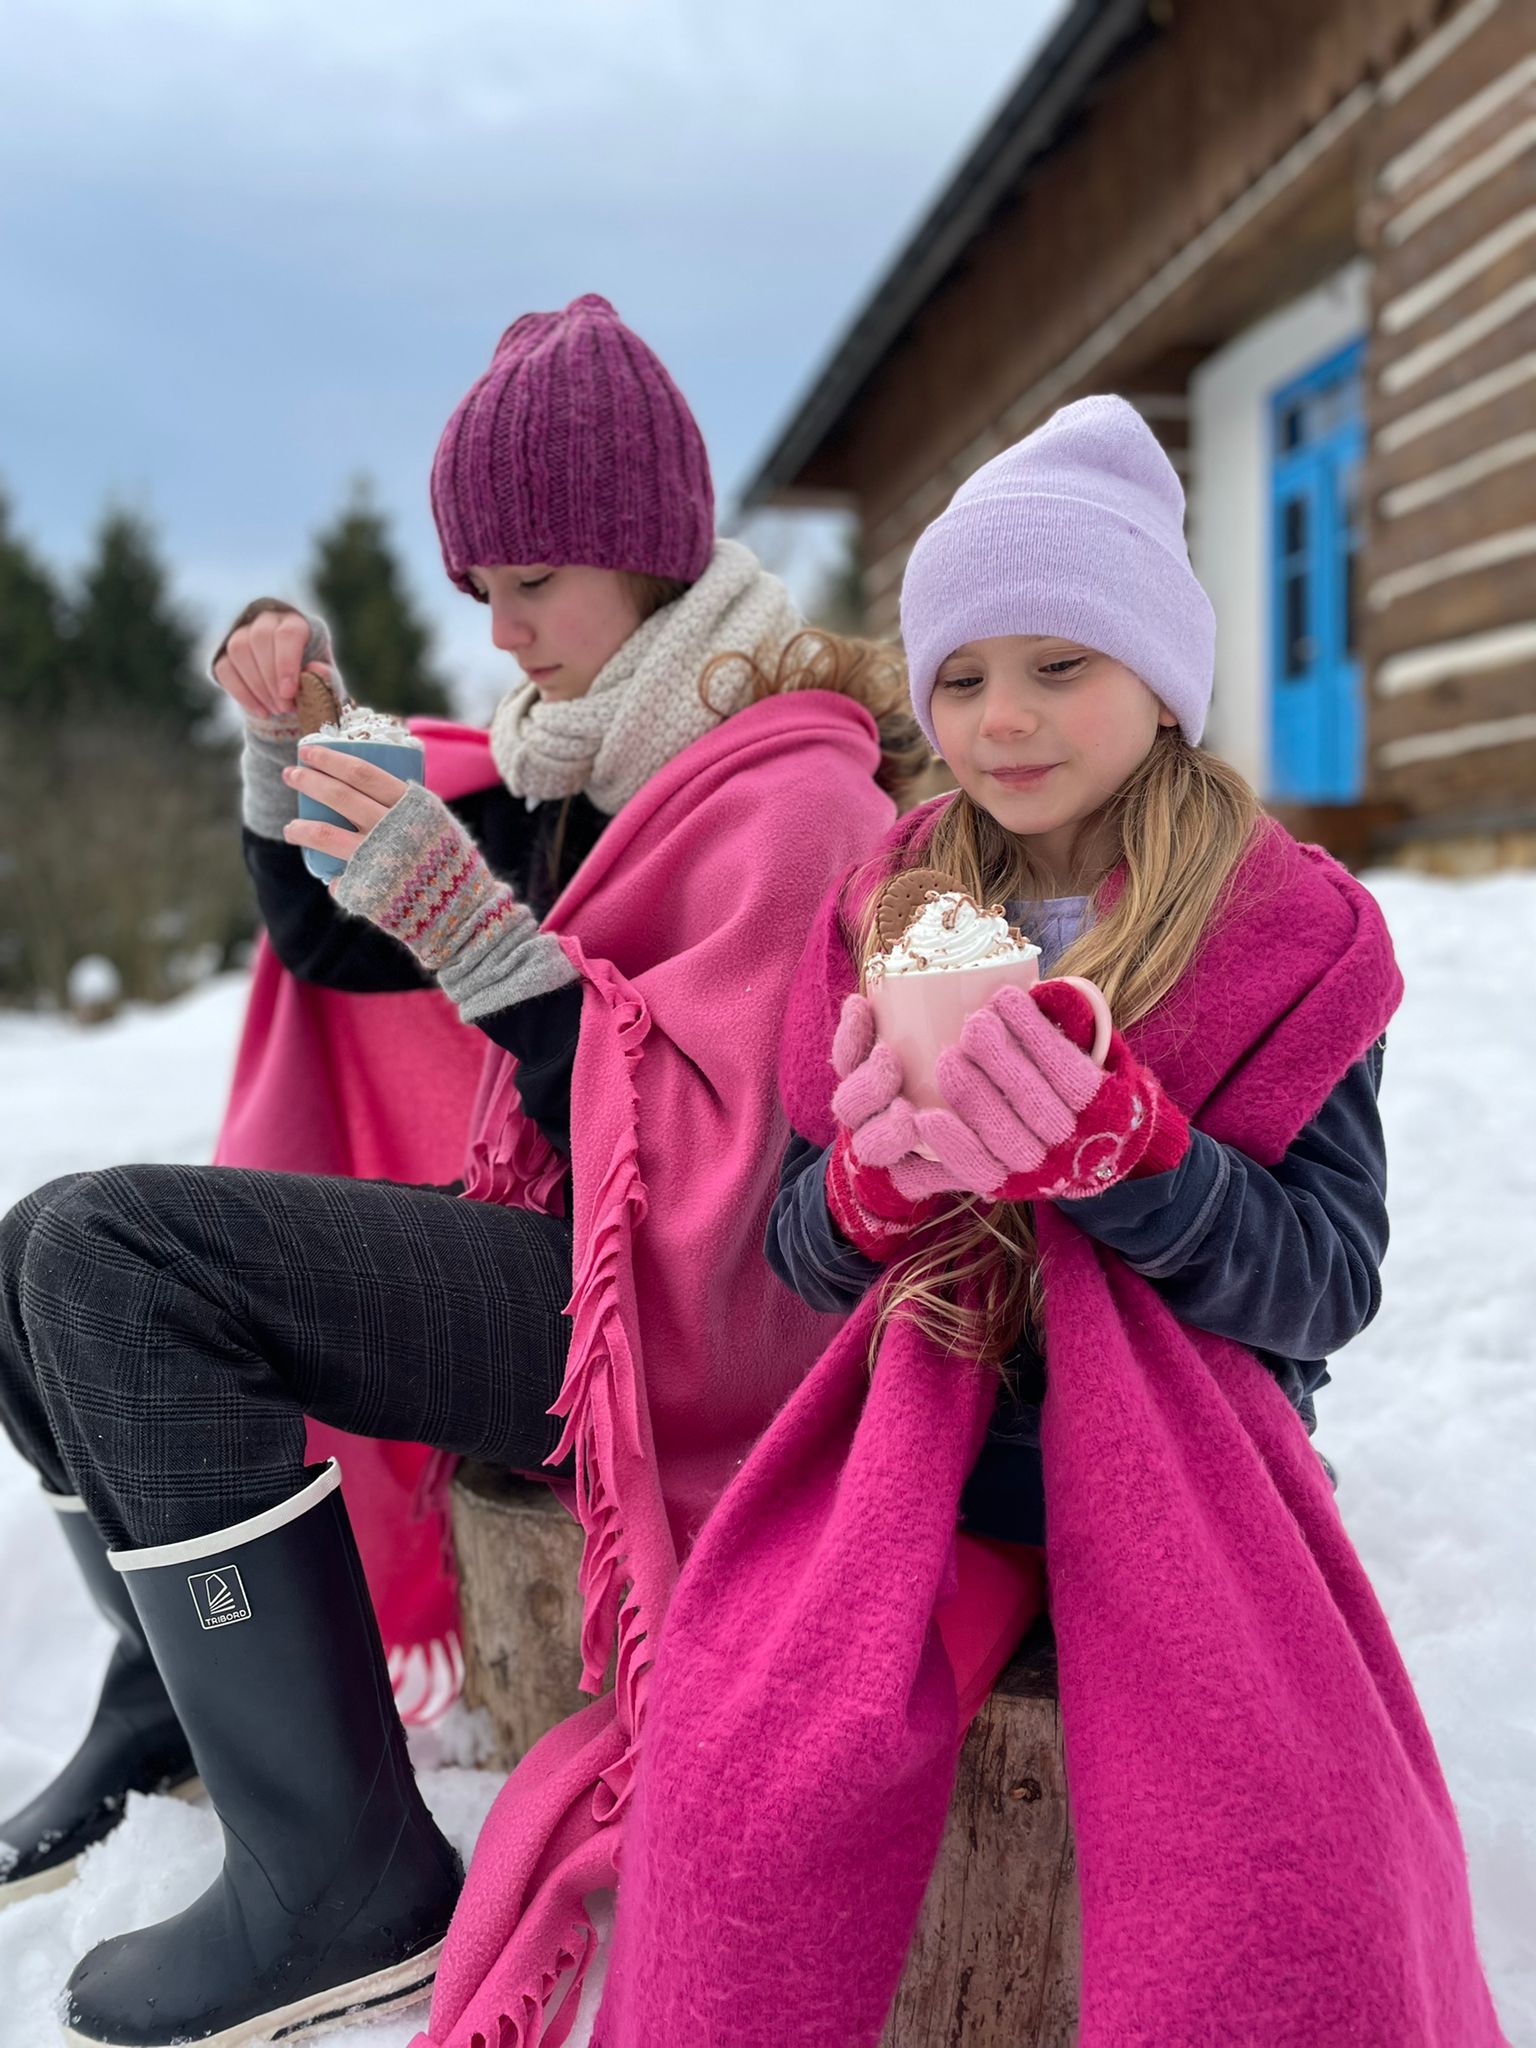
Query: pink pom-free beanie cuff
[[1076, 532]]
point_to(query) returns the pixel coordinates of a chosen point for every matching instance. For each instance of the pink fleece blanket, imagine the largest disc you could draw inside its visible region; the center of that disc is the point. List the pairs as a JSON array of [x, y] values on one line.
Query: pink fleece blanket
[[377, 1087], [1267, 1851], [686, 921]]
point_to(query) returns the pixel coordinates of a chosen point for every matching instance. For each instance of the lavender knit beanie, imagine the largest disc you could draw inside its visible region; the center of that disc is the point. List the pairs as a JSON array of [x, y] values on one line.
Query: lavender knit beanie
[[1076, 531], [575, 446]]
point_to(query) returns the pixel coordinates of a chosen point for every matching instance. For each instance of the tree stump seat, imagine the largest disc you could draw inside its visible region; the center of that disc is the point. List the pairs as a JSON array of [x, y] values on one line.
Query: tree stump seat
[[994, 1960]]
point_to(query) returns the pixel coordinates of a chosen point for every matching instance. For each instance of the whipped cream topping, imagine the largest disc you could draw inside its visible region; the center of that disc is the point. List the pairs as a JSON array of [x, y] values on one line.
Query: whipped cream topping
[[951, 931], [357, 722]]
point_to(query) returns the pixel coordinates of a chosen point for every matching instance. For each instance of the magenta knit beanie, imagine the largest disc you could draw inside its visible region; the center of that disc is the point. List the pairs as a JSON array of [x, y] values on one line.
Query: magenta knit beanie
[[1078, 531], [575, 446]]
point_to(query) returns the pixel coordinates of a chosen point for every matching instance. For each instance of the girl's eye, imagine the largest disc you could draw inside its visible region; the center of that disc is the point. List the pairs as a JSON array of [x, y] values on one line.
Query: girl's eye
[[535, 582], [1068, 665], [958, 682]]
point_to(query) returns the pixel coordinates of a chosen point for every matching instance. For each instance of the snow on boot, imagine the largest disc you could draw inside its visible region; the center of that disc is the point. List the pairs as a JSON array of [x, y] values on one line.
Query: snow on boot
[[337, 1887], [134, 1742]]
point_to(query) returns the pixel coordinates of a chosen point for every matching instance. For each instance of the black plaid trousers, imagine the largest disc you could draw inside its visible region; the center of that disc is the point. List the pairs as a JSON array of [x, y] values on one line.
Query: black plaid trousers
[[165, 1330]]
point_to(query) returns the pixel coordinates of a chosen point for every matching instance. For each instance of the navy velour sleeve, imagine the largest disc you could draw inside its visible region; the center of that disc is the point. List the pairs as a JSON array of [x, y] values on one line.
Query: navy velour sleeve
[[803, 1245], [314, 940], [1284, 1258]]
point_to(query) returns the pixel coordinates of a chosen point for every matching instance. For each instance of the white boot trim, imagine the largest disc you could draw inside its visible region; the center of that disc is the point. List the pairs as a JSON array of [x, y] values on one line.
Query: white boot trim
[[238, 1532], [365, 1998], [65, 1503]]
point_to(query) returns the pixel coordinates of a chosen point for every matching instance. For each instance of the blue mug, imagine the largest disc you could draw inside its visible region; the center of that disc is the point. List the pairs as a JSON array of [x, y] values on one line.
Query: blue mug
[[406, 762]]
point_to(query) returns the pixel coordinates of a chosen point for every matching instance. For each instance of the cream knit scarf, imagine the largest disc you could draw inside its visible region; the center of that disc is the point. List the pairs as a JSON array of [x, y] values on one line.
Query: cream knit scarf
[[644, 705]]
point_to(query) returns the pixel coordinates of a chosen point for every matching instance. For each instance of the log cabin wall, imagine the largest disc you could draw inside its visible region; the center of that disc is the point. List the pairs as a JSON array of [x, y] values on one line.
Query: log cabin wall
[[1205, 168], [1448, 572], [1185, 127]]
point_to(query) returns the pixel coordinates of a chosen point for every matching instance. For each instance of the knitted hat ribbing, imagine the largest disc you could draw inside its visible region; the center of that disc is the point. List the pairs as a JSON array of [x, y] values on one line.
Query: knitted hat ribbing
[[1076, 530], [575, 446]]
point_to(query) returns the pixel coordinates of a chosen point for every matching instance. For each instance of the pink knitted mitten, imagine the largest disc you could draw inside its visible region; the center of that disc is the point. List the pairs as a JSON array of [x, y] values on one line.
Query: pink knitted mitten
[[865, 1202], [1053, 1124]]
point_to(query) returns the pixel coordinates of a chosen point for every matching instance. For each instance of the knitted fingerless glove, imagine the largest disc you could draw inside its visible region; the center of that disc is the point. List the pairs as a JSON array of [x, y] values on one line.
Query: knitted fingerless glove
[[419, 876], [267, 803]]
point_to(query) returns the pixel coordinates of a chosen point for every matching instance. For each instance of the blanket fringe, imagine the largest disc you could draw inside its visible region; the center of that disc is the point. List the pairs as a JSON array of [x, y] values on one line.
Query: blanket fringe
[[600, 1398], [525, 2028]]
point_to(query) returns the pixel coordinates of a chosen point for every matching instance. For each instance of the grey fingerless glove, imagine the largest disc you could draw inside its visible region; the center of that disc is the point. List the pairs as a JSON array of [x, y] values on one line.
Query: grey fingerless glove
[[419, 876], [272, 744]]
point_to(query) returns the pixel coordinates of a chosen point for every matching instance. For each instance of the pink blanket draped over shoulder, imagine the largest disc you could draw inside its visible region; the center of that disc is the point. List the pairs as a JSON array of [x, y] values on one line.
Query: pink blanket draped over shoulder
[[686, 921], [1267, 1850], [373, 1087]]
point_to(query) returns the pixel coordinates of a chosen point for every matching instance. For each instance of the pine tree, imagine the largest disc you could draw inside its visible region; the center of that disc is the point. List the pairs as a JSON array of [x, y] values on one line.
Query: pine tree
[[132, 650], [32, 643], [382, 646]]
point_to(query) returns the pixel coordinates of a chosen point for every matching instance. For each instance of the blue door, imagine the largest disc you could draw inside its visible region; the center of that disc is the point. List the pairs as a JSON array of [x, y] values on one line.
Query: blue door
[[1316, 718]]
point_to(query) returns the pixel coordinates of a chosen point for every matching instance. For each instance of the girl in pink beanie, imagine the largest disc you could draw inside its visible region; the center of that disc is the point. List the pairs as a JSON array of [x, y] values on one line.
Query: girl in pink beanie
[[605, 897], [1089, 1303]]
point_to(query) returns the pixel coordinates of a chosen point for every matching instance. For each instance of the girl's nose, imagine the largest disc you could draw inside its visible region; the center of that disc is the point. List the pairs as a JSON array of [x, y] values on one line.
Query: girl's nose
[[1007, 716], [509, 632]]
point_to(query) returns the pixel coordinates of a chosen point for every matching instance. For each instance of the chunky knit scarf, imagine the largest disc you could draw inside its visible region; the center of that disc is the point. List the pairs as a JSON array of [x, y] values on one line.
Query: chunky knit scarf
[[644, 705]]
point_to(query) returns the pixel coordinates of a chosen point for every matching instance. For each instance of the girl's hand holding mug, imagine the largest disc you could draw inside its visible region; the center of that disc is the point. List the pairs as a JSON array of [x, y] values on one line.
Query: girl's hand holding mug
[[358, 790], [1054, 1125], [1031, 1115]]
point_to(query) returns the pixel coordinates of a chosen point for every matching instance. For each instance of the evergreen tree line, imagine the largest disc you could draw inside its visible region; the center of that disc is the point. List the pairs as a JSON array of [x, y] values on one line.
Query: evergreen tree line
[[119, 758]]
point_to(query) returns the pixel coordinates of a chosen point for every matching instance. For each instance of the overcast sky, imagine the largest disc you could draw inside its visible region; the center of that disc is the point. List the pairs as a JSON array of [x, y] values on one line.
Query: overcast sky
[[251, 249]]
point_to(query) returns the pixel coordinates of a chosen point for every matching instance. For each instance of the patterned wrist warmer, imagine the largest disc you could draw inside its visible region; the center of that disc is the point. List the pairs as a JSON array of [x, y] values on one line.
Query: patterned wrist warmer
[[420, 877], [266, 801], [868, 1207]]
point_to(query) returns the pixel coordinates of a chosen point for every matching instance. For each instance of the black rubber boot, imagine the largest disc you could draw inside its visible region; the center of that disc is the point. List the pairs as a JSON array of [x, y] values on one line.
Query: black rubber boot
[[134, 1742], [337, 1887]]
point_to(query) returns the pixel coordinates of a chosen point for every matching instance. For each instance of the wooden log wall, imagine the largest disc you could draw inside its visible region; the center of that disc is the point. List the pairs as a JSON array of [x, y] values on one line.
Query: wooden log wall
[[1175, 138], [1449, 565]]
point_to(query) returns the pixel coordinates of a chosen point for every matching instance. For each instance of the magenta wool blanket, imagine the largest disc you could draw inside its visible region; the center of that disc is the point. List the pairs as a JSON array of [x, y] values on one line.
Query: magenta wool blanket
[[686, 922], [1267, 1850]]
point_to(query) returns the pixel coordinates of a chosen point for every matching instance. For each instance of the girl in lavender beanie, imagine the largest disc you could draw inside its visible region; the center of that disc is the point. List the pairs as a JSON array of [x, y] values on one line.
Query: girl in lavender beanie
[[1097, 1207], [1077, 531]]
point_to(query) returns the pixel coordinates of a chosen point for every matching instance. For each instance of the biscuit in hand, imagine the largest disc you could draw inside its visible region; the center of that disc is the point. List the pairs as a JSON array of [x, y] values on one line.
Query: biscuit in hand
[[318, 703]]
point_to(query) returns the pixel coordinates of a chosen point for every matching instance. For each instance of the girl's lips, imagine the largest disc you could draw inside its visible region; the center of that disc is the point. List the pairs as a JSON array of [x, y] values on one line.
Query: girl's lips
[[1022, 778], [541, 675]]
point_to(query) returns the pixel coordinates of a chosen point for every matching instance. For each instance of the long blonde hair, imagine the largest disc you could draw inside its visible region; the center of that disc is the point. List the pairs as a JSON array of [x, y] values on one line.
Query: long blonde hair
[[1179, 824]]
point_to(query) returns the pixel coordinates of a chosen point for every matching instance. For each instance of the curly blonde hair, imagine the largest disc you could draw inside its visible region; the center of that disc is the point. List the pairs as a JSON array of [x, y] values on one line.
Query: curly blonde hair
[[871, 672]]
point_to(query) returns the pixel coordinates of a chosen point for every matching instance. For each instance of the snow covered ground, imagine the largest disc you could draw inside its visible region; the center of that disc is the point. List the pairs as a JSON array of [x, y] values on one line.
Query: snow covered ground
[[1431, 1421]]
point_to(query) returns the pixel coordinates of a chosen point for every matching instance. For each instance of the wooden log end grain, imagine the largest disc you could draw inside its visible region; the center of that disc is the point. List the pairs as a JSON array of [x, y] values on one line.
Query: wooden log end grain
[[518, 1554], [995, 1961]]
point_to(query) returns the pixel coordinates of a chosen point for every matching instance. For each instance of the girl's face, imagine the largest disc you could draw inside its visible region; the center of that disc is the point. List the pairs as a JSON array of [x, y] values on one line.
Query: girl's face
[[562, 625], [1041, 733]]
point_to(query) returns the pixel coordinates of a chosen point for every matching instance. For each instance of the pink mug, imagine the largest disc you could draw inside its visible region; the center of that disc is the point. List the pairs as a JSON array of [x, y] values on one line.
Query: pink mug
[[918, 1015]]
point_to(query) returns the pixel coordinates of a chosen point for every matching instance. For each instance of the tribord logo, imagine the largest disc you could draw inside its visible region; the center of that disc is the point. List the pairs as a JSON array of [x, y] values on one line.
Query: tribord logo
[[219, 1597]]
